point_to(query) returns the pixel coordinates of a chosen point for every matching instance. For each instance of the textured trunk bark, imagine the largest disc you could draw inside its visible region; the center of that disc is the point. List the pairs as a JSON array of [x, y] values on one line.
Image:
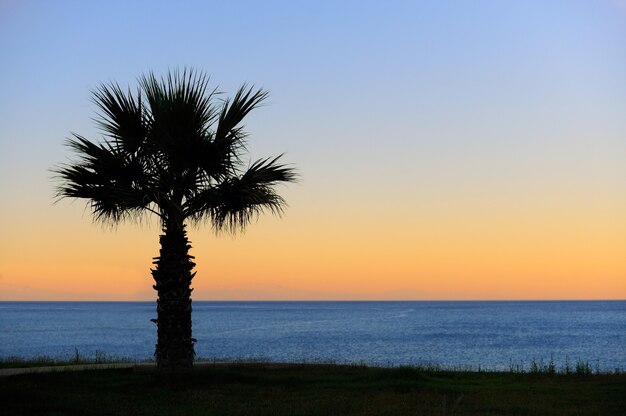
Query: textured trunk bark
[[174, 348]]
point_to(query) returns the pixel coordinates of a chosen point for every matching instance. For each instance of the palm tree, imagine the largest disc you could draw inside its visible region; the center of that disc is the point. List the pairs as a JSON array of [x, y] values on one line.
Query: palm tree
[[173, 149]]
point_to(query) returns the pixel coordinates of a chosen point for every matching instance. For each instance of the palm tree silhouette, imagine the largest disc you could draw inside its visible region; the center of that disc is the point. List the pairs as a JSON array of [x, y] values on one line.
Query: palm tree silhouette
[[173, 149]]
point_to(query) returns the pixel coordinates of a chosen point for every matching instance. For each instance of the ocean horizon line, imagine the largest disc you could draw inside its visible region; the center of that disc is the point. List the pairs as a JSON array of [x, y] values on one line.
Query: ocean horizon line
[[309, 300]]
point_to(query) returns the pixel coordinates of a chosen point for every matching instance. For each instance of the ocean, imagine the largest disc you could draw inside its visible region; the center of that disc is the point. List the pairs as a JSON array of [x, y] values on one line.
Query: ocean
[[460, 334]]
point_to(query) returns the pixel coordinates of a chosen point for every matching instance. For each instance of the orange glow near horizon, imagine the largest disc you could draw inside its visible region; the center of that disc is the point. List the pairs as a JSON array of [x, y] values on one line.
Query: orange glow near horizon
[[434, 255]]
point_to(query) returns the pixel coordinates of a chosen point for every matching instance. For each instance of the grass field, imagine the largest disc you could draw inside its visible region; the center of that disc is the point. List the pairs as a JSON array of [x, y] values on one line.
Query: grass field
[[298, 389]]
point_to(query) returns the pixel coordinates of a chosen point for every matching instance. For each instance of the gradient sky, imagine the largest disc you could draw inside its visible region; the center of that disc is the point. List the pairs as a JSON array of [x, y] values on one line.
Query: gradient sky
[[447, 149]]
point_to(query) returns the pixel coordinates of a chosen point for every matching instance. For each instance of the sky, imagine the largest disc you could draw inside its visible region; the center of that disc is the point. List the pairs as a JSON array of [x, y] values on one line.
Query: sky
[[446, 149]]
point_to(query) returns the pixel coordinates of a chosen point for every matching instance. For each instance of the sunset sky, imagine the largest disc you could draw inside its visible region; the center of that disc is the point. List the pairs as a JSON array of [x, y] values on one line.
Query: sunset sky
[[447, 149]]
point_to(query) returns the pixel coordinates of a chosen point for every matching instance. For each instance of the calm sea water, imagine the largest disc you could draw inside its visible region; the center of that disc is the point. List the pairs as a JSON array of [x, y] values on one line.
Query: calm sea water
[[489, 334]]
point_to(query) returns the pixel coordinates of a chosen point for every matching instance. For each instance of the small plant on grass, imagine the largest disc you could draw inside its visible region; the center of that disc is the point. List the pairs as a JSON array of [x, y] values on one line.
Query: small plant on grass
[[77, 357], [583, 368], [567, 369]]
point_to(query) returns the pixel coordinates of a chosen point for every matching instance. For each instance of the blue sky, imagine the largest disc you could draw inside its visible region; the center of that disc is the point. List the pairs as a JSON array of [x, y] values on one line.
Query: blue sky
[[419, 72]]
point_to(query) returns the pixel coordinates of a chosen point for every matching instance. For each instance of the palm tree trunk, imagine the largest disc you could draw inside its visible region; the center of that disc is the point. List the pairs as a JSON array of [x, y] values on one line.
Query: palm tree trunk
[[174, 349]]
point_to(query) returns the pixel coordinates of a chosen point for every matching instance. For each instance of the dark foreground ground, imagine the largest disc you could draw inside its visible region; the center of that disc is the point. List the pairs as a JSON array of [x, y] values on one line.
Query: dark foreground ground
[[258, 389]]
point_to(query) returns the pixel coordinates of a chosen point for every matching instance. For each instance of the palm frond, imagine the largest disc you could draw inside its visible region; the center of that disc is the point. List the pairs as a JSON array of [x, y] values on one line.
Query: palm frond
[[269, 172], [114, 183], [121, 116], [229, 136], [181, 110], [233, 203]]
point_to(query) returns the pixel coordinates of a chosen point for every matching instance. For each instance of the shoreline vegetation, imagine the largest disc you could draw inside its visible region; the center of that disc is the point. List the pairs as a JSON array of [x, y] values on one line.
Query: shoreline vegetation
[[535, 366], [265, 388]]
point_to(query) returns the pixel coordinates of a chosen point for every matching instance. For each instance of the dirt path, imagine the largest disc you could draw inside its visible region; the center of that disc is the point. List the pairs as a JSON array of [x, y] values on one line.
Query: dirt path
[[80, 367]]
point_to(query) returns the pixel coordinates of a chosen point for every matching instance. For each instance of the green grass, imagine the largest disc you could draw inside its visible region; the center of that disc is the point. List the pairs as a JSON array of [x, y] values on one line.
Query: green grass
[[312, 389], [77, 358]]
